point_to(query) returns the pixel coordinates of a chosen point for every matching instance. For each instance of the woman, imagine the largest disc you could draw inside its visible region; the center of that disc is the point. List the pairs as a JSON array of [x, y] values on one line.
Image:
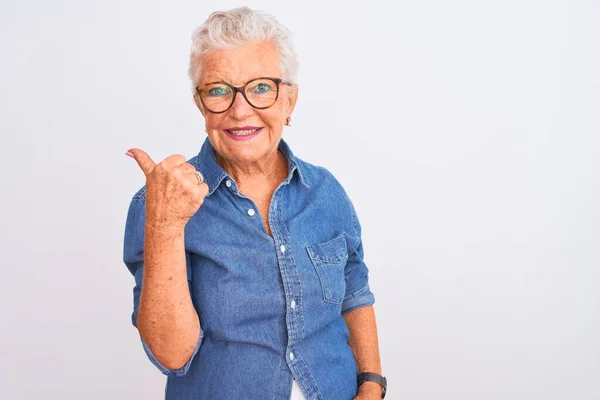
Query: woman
[[248, 263]]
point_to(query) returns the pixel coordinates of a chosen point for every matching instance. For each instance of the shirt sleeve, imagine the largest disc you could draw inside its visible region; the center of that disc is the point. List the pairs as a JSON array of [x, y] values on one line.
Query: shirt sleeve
[[133, 256], [358, 294]]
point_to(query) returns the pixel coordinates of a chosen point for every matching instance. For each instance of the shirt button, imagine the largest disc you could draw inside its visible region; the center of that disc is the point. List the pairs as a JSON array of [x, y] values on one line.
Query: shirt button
[[282, 248], [228, 183], [251, 212], [293, 304], [292, 356]]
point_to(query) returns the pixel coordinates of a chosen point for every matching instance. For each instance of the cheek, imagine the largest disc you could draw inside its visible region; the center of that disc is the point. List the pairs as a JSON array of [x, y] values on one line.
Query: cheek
[[213, 121], [277, 113], [273, 118]]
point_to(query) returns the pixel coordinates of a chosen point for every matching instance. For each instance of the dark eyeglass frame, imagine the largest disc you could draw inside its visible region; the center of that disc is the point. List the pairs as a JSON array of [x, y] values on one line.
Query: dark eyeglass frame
[[242, 90]]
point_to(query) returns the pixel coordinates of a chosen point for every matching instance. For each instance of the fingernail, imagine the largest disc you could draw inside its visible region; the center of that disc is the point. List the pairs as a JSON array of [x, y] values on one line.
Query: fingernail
[[130, 154]]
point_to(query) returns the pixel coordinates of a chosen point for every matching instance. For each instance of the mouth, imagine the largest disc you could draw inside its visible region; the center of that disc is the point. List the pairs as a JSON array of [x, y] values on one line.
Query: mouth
[[243, 133]]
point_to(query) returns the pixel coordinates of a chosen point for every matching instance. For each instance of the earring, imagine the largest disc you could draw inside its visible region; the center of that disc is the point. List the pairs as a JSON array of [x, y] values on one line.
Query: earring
[[288, 121]]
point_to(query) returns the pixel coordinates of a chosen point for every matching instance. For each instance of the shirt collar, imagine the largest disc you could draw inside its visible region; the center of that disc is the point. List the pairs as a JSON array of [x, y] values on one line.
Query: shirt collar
[[214, 174]]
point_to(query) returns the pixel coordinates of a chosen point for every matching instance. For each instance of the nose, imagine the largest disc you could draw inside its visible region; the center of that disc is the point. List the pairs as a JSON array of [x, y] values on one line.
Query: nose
[[240, 109]]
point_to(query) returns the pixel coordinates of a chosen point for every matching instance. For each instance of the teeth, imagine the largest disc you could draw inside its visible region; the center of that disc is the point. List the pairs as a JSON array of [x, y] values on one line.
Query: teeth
[[243, 132]]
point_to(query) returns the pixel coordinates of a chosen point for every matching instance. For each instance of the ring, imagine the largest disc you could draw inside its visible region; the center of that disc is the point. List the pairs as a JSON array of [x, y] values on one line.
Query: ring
[[200, 177]]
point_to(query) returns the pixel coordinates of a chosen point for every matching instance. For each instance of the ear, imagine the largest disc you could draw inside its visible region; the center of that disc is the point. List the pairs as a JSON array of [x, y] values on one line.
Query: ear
[[293, 97]]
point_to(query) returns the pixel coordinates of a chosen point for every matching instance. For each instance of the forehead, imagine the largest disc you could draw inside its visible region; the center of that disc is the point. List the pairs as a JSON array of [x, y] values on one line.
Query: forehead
[[241, 64]]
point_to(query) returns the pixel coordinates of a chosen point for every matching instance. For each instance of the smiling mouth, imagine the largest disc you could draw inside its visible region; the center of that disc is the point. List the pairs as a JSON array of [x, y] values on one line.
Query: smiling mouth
[[242, 132]]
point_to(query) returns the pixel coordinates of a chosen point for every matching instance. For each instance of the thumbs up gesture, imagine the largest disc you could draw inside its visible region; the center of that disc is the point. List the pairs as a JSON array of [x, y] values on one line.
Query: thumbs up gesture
[[174, 190]]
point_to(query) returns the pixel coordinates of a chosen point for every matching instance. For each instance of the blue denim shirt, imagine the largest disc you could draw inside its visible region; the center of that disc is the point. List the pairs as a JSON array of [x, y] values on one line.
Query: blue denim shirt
[[270, 308]]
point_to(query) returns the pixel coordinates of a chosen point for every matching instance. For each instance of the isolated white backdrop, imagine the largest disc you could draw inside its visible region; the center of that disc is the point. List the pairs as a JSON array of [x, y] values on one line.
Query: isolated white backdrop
[[465, 132]]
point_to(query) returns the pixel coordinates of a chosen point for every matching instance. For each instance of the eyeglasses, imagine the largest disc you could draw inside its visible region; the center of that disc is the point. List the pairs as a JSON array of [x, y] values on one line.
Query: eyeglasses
[[260, 93]]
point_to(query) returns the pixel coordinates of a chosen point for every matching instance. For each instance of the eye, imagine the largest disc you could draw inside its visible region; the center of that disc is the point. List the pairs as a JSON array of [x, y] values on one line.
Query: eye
[[261, 88], [218, 91]]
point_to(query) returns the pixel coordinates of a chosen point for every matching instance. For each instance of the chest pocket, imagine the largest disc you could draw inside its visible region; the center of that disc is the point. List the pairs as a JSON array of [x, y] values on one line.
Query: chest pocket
[[329, 259]]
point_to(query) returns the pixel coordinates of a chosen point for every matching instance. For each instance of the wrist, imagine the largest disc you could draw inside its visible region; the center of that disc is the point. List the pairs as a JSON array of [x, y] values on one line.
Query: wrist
[[370, 389], [372, 385]]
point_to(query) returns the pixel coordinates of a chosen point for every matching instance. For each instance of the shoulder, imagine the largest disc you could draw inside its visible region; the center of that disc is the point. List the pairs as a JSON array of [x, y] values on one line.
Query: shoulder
[[332, 200], [318, 176], [325, 185]]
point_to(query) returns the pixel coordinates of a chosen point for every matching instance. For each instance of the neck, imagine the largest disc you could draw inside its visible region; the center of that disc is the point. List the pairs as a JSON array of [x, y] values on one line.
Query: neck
[[265, 173]]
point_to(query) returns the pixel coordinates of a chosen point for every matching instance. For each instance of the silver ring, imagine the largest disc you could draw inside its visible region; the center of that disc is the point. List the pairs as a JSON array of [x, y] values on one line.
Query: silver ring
[[200, 177]]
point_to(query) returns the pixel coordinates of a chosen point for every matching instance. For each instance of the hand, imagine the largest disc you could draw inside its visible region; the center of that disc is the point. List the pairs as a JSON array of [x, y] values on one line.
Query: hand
[[173, 194], [369, 391]]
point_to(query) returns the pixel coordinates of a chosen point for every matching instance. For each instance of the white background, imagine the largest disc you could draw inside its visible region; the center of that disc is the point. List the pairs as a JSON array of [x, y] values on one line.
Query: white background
[[465, 132]]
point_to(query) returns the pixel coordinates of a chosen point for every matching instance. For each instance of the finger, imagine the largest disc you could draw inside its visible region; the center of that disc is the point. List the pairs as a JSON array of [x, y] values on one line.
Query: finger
[[187, 168], [203, 189], [195, 185], [200, 190], [143, 160], [197, 177], [174, 160]]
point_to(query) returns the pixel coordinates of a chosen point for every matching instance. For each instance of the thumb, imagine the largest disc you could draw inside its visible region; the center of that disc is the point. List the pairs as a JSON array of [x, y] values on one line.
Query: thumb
[[143, 160]]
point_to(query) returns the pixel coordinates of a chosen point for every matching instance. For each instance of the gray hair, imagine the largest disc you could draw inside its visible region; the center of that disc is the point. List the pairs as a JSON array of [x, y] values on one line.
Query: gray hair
[[239, 26]]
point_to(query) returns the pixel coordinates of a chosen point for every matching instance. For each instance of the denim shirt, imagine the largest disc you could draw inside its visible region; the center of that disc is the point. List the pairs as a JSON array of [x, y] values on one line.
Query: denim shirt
[[270, 307]]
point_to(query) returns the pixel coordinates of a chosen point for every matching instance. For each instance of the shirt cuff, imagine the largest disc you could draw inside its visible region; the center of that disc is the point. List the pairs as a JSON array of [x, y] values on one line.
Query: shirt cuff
[[360, 298], [175, 372]]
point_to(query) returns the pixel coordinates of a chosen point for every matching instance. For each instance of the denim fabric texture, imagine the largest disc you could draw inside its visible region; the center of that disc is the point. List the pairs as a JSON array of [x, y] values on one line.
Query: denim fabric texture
[[270, 307]]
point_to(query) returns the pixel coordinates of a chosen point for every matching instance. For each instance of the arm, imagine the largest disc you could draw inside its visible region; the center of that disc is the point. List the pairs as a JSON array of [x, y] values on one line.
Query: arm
[[363, 342], [167, 320], [358, 312], [165, 316]]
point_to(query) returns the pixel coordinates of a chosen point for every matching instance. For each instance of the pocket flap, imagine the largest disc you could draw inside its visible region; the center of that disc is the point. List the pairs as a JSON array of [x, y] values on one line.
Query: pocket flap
[[332, 251]]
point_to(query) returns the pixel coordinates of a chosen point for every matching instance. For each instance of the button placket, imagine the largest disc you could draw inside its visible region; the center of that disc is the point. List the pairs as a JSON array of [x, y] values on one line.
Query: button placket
[[294, 320], [250, 211]]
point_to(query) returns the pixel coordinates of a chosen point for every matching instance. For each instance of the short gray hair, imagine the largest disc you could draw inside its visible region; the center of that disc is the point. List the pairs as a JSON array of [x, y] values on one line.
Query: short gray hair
[[239, 26]]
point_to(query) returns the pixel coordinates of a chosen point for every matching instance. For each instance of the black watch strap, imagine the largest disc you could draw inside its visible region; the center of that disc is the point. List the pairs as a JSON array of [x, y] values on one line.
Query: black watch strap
[[373, 377]]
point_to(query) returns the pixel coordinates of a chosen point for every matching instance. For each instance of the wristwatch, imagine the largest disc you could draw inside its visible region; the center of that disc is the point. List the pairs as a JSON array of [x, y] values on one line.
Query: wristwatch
[[373, 377]]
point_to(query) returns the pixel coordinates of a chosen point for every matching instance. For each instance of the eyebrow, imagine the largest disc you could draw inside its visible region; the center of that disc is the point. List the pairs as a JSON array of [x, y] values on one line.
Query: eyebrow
[[210, 83], [229, 83]]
